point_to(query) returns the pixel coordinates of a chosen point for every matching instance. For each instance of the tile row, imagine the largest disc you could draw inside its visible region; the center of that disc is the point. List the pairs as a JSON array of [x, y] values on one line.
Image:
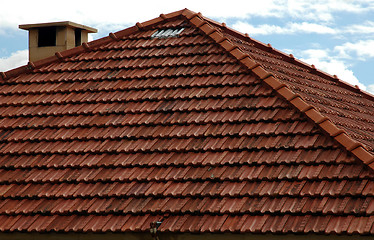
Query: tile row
[[251, 47], [155, 145], [125, 44], [361, 130], [114, 118], [356, 120], [285, 70], [109, 96], [101, 83], [168, 51], [193, 70], [281, 66], [207, 158], [144, 106], [331, 97], [106, 80], [159, 131], [189, 173], [139, 63], [292, 188], [191, 223], [187, 40], [360, 123], [324, 89], [190, 205], [159, 73], [363, 111], [269, 224], [74, 223], [276, 64]]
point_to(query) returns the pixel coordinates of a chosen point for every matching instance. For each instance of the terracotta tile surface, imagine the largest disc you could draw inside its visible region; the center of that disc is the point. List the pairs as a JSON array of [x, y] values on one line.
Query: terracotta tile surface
[[189, 130]]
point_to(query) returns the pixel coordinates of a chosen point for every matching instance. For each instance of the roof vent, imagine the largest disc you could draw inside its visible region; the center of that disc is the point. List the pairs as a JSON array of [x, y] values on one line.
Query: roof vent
[[167, 33], [45, 39]]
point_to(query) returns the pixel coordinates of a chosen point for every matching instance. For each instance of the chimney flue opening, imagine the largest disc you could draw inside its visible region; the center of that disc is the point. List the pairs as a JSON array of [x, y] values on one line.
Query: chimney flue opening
[[46, 36], [78, 36]]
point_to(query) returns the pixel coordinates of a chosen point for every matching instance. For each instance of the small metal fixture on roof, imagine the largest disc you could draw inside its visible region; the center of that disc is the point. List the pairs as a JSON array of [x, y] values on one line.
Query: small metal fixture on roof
[[166, 33], [153, 229]]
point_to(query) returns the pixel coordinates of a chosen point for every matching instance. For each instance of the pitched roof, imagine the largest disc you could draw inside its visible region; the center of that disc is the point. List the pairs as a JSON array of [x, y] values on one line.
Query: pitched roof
[[206, 131]]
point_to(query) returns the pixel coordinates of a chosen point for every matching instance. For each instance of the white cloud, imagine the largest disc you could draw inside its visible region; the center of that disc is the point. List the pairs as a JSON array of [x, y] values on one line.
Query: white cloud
[[128, 12], [362, 49], [238, 8], [324, 10], [316, 53], [323, 60], [118, 12], [365, 28], [289, 28], [370, 88], [264, 29], [306, 27], [299, 9], [16, 59], [338, 68]]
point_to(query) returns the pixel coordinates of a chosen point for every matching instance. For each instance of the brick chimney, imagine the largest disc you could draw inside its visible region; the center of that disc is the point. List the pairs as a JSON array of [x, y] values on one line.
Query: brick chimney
[[45, 39]]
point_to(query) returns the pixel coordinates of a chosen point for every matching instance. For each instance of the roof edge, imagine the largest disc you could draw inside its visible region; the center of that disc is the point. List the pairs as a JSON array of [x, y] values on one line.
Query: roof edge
[[341, 136]]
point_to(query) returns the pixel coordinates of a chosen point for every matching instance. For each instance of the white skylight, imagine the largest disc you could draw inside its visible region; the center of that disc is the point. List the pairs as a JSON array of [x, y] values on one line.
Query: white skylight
[[166, 33]]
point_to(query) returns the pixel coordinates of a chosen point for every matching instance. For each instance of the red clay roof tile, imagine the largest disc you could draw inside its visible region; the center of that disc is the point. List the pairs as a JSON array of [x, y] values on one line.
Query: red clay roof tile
[[217, 131]]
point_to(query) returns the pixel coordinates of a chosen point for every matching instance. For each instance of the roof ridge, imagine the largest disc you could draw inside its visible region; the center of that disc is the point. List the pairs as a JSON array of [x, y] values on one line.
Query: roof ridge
[[341, 136], [292, 59]]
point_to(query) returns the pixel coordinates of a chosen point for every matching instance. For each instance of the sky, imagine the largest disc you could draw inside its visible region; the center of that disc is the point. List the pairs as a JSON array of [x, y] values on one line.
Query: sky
[[337, 36]]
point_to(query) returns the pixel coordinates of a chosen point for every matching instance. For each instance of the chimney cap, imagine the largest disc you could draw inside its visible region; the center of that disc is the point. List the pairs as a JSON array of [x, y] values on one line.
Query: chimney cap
[[58, 24]]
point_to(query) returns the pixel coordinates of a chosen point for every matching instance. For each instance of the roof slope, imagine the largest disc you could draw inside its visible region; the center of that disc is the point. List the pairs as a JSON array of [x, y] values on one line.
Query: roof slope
[[346, 106], [187, 130]]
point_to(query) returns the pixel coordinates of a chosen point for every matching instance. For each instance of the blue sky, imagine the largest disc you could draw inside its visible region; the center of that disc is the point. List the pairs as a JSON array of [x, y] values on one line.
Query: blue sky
[[336, 36]]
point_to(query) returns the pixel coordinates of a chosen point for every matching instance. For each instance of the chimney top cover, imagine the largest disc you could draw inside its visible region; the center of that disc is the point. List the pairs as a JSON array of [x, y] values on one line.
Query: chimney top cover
[[58, 24]]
